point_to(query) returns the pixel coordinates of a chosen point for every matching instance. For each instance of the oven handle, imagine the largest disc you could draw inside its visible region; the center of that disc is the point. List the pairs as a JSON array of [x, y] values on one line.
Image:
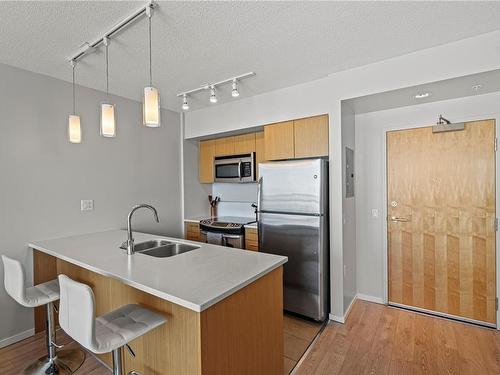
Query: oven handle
[[239, 170]]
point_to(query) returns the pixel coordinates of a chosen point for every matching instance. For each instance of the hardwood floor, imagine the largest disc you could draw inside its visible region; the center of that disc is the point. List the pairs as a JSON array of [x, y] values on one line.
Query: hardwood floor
[[16, 357], [375, 340], [381, 340], [298, 335]]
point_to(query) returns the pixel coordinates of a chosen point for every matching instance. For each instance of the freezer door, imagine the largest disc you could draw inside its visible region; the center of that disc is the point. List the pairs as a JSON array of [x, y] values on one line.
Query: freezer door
[[303, 240], [298, 186]]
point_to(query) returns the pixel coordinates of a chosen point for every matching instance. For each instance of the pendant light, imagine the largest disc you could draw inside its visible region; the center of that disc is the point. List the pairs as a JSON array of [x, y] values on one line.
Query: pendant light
[[108, 124], [151, 102], [74, 127]]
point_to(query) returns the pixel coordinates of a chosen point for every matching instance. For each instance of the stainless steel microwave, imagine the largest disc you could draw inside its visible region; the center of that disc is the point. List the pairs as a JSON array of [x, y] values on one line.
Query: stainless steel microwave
[[235, 168]]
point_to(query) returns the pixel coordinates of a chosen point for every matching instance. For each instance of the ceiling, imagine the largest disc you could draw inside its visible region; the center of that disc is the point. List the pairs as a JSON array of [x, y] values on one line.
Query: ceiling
[[473, 84], [194, 43]]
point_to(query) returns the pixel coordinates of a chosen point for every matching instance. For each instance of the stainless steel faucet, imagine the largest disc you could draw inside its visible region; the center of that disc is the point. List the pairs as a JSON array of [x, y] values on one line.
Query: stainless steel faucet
[[130, 239]]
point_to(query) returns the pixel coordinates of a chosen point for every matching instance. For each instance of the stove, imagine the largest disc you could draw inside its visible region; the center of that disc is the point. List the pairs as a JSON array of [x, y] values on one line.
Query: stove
[[226, 224], [225, 231]]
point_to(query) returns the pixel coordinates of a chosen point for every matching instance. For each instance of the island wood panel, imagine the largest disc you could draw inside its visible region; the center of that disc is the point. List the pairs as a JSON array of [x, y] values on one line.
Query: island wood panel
[[279, 141], [206, 155], [443, 258], [244, 144], [44, 269], [311, 136], [243, 334], [251, 239], [246, 325]]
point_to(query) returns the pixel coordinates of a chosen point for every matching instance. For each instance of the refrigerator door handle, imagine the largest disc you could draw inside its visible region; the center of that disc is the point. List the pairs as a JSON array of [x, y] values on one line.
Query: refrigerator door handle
[[291, 213], [259, 187]]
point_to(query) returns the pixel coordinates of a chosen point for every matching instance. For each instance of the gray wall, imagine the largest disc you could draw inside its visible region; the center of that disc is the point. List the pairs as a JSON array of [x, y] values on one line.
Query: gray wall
[[348, 212], [44, 177], [195, 194]]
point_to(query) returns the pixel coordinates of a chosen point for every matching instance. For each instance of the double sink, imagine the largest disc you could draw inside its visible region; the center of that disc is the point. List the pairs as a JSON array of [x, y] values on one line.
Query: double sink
[[161, 248]]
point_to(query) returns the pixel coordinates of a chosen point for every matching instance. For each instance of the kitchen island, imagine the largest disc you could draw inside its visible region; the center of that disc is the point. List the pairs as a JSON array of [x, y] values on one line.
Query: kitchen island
[[224, 306]]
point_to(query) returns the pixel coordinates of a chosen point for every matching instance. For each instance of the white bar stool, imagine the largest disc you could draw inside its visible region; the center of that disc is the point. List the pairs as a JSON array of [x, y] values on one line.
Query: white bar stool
[[54, 363], [107, 333]]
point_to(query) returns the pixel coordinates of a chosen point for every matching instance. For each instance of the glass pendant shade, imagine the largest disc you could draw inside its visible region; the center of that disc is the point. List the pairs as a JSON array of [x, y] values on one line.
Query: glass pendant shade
[[151, 107], [108, 125], [74, 129]]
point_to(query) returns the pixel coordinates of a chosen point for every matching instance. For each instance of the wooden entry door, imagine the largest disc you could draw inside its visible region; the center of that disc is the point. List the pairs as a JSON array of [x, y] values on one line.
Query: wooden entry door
[[441, 220]]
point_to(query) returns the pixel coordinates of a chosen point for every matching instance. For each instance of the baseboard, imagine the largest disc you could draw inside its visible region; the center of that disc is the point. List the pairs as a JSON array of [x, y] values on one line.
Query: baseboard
[[20, 336], [366, 297], [363, 297]]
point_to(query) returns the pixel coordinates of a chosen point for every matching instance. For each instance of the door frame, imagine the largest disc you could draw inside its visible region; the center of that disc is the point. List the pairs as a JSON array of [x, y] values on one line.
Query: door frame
[[385, 255]]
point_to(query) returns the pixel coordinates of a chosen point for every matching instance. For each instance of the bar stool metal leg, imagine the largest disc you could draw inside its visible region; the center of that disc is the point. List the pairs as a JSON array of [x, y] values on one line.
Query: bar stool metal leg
[[63, 362], [117, 362]]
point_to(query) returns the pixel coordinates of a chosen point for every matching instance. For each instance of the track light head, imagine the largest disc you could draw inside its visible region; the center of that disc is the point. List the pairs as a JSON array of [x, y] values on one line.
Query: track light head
[[213, 97], [235, 93], [185, 105]]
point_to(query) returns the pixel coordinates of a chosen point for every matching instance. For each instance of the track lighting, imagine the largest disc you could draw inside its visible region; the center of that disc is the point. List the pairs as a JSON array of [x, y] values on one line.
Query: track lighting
[[74, 126], [212, 87], [234, 92], [185, 105], [108, 124], [151, 103], [213, 97]]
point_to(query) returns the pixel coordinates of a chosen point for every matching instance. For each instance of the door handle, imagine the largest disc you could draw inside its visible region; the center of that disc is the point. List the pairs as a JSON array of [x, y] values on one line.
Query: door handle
[[399, 219]]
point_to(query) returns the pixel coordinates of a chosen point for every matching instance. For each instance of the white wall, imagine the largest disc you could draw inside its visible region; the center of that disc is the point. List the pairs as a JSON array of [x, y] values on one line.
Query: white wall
[[371, 186], [348, 212], [236, 199], [456, 59], [44, 177]]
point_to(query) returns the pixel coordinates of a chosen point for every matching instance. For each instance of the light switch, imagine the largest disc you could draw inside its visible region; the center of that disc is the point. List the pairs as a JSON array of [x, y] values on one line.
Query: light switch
[[86, 205], [374, 213]]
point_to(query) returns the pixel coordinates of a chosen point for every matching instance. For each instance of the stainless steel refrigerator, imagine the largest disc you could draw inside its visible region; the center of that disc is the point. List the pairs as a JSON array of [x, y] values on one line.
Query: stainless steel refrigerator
[[293, 221]]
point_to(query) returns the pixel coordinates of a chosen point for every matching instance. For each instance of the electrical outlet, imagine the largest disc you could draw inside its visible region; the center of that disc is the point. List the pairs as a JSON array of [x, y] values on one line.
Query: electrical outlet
[[86, 205], [374, 213]]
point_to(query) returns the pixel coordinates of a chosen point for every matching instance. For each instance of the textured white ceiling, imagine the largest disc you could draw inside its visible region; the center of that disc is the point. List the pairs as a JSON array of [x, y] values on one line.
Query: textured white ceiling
[[285, 43]]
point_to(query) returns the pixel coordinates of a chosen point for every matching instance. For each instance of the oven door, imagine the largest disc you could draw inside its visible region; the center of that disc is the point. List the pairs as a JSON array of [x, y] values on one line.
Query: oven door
[[236, 168]]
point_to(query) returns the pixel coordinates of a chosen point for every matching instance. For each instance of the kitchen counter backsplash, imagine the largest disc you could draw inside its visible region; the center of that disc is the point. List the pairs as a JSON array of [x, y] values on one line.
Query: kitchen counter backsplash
[[236, 199]]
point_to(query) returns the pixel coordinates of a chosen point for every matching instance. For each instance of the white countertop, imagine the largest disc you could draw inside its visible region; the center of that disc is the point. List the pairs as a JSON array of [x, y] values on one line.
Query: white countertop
[[196, 280]]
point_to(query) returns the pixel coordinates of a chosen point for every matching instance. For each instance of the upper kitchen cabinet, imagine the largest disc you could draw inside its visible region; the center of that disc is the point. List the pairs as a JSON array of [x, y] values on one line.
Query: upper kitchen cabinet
[[311, 136], [224, 146], [279, 141], [244, 144], [206, 163]]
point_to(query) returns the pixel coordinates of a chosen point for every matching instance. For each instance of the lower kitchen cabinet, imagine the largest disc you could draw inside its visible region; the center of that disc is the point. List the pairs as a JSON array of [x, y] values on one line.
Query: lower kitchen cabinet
[[251, 239], [192, 231]]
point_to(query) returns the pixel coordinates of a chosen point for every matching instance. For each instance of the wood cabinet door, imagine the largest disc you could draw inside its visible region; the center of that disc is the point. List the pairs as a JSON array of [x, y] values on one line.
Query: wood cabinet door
[[251, 239], [259, 151], [441, 220], [206, 161], [192, 231], [311, 136], [244, 144], [279, 141], [224, 146]]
